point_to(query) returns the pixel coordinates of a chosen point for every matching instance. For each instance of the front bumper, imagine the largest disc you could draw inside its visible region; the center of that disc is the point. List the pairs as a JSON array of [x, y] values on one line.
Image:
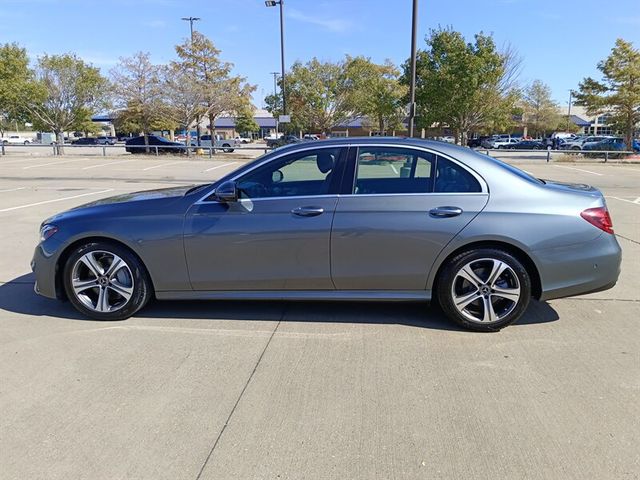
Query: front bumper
[[43, 265], [579, 269]]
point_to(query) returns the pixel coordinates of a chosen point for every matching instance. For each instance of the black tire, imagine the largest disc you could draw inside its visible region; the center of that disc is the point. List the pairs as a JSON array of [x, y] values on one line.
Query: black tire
[[142, 290], [226, 148], [513, 310]]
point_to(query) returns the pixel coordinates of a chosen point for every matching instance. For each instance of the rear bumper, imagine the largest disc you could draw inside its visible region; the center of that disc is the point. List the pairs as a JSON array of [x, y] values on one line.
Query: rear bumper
[[579, 269]]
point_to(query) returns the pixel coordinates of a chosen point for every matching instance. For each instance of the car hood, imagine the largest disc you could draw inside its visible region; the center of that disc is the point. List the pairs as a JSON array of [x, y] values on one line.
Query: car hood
[[163, 199], [140, 196]]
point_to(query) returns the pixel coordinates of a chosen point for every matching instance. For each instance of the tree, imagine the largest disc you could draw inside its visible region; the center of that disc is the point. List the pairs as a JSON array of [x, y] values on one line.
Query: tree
[[375, 92], [540, 111], [137, 90], [16, 85], [317, 95], [66, 89], [464, 86], [618, 93], [186, 98], [224, 93], [245, 122]]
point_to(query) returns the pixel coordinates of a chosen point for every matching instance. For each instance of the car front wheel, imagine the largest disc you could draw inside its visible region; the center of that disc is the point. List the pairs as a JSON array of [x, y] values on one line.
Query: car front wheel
[[484, 290], [105, 281]]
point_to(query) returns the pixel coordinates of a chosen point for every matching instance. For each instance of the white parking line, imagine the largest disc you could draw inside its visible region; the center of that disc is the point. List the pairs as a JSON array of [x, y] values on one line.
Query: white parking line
[[395, 170], [55, 200], [55, 163], [580, 170], [220, 166], [12, 189], [634, 202], [162, 165], [105, 164]]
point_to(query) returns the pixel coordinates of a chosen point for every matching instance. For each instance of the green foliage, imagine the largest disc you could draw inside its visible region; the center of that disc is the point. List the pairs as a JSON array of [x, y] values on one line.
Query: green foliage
[[245, 123], [223, 92], [618, 93], [374, 92], [540, 111], [138, 93], [16, 85], [65, 89], [464, 86]]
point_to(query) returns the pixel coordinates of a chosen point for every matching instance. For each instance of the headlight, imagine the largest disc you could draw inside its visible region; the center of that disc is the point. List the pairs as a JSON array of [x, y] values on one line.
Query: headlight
[[47, 231]]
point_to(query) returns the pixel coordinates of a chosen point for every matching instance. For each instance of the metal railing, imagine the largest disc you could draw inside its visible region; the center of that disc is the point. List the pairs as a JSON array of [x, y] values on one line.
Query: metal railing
[[157, 150], [606, 154]]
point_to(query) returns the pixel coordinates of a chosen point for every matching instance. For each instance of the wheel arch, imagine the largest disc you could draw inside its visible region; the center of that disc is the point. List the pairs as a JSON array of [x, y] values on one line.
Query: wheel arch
[[66, 253], [519, 253]]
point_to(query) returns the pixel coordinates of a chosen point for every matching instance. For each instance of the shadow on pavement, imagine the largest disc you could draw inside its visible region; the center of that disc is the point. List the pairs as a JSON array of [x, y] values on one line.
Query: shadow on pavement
[[18, 296]]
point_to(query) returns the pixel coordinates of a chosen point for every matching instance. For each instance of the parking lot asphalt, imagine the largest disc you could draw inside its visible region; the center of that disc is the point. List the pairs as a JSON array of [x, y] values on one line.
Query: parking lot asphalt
[[268, 390]]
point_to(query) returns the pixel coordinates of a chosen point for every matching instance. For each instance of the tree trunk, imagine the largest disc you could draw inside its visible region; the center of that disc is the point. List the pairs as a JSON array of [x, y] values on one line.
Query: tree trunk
[[188, 142], [59, 143], [212, 130]]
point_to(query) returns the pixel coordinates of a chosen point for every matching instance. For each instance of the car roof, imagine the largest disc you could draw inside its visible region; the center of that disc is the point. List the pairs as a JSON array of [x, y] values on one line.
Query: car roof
[[468, 156]]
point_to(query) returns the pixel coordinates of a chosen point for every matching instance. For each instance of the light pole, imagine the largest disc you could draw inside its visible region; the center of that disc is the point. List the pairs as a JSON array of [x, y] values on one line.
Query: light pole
[[412, 85], [191, 20], [273, 3], [569, 110]]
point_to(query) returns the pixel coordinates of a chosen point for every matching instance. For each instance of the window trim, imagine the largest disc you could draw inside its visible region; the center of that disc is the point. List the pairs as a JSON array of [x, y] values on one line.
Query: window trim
[[484, 188], [341, 161]]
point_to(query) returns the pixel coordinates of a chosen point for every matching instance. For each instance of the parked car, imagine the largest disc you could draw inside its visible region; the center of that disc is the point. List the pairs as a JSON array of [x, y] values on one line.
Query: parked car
[[448, 139], [226, 144], [491, 141], [285, 140], [311, 136], [480, 235], [476, 142], [15, 140], [577, 142], [85, 141], [526, 145], [106, 140], [505, 143], [613, 144], [137, 145], [239, 140]]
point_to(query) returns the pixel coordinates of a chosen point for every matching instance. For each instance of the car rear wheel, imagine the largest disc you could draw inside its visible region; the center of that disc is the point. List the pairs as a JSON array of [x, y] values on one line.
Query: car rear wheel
[[484, 290], [105, 281], [226, 148]]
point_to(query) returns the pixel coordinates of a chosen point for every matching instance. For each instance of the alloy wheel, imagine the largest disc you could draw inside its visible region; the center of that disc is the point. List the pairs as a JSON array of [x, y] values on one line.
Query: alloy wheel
[[102, 281], [485, 290]]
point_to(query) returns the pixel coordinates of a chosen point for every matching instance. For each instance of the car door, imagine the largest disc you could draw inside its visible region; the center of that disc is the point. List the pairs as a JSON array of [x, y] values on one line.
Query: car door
[[276, 236], [403, 207]]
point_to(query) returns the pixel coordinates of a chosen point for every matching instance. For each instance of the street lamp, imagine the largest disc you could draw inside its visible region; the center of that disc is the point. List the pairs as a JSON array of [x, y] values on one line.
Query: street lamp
[[412, 85], [273, 3], [191, 20]]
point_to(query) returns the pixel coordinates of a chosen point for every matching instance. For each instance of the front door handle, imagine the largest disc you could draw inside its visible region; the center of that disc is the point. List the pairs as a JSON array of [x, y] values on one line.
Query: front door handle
[[443, 212], [308, 211]]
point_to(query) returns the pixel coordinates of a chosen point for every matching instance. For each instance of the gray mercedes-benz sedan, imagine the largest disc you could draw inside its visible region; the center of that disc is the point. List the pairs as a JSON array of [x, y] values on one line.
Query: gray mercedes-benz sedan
[[345, 219]]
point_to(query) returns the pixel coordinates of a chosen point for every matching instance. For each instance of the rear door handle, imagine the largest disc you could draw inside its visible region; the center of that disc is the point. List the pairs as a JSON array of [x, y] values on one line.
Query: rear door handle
[[308, 211], [443, 212]]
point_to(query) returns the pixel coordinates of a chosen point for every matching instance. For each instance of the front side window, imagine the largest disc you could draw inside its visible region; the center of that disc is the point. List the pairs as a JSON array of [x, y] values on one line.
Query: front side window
[[386, 170], [300, 174]]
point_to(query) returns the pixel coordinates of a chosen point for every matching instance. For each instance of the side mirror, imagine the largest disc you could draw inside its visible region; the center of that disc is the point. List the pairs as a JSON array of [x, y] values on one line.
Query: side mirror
[[227, 192], [277, 176]]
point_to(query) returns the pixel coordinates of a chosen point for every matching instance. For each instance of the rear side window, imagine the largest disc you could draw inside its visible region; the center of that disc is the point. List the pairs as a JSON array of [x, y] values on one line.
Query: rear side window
[[387, 170], [452, 178]]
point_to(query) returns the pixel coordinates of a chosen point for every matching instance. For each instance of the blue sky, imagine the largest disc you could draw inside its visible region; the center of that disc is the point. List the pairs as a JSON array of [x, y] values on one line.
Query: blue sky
[[560, 41]]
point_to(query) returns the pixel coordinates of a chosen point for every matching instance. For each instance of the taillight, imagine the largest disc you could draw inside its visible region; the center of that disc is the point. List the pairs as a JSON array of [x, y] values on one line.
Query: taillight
[[598, 217]]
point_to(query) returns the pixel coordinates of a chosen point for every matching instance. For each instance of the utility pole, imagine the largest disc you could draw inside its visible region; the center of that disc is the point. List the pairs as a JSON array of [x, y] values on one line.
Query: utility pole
[[275, 82], [412, 85], [191, 20]]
